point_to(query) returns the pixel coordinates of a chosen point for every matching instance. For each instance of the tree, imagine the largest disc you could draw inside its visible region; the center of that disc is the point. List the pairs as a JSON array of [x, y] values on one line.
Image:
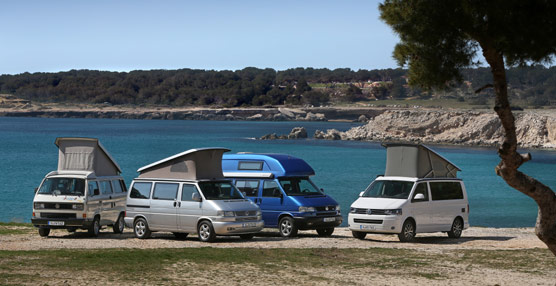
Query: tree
[[438, 38]]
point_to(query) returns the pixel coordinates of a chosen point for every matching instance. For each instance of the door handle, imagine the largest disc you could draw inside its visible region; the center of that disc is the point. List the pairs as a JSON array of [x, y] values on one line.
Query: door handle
[[110, 197], [175, 204]]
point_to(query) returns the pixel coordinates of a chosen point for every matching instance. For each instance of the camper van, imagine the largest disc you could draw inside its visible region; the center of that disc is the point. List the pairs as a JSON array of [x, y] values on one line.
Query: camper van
[[187, 193], [86, 192], [418, 193], [280, 185]]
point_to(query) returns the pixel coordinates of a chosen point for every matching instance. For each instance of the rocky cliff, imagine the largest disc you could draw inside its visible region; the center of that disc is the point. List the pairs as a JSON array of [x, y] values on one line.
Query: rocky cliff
[[534, 130]]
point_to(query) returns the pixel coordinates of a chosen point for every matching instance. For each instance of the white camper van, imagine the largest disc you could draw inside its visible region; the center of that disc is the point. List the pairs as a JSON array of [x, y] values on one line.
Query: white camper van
[[187, 193], [86, 192], [419, 193]]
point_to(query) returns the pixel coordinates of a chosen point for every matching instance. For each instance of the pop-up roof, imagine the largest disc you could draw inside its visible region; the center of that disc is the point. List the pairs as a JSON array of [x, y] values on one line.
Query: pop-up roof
[[194, 164], [417, 161], [85, 154]]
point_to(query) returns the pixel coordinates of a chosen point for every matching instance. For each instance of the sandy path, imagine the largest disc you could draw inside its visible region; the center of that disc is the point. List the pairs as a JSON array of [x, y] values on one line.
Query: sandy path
[[473, 238]]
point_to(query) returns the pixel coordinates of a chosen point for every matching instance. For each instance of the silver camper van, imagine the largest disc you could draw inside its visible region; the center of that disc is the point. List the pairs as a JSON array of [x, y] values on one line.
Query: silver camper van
[[418, 193], [187, 193], [86, 192]]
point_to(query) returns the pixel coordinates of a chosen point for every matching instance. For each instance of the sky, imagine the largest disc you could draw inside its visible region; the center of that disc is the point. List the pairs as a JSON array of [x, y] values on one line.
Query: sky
[[55, 35]]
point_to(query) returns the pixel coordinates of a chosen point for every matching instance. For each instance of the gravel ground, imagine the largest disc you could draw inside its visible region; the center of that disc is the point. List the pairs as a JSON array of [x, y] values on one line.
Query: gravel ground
[[472, 238]]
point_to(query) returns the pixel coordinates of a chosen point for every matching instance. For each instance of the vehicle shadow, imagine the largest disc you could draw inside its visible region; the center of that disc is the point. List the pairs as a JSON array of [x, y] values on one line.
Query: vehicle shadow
[[445, 239]]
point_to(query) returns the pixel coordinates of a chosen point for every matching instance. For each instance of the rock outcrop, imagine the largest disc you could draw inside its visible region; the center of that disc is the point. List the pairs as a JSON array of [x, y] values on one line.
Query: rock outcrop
[[331, 134], [296, 133], [534, 130]]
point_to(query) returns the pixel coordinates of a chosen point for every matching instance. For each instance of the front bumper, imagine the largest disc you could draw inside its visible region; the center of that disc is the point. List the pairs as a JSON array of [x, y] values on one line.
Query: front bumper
[[236, 228], [314, 222], [61, 223], [375, 223]]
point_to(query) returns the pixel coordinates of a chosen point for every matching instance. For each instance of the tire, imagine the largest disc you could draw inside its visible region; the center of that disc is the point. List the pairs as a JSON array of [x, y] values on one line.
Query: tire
[[206, 231], [94, 229], [247, 236], [359, 234], [287, 227], [141, 228], [408, 231], [457, 228], [325, 231], [118, 227], [44, 232], [180, 235]]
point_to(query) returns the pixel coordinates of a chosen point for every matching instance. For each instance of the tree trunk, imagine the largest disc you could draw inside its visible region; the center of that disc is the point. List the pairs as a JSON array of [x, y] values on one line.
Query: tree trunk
[[545, 227]]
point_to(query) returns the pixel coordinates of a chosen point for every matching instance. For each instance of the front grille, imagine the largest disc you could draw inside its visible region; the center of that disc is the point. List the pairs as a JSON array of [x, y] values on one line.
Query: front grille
[[57, 215], [56, 206], [246, 213], [249, 218], [371, 221], [369, 211], [326, 213], [325, 208]]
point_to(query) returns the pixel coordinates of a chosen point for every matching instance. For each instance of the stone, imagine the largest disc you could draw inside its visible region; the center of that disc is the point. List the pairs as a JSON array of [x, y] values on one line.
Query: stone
[[298, 133]]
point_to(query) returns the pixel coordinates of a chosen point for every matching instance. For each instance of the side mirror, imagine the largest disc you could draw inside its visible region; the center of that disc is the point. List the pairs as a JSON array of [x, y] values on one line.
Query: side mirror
[[196, 197], [322, 190], [36, 189], [96, 192], [419, 197], [361, 194]]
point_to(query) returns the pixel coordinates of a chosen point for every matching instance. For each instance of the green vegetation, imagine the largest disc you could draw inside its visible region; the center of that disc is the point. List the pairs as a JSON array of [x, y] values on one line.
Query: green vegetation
[[532, 86], [15, 228], [170, 266]]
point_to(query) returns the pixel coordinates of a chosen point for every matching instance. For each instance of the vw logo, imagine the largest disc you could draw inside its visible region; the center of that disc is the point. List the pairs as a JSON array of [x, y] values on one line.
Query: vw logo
[[57, 206]]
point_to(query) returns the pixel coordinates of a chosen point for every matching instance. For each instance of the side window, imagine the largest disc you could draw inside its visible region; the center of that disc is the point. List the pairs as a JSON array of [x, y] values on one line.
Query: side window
[[165, 191], [140, 190], [124, 188], [421, 189], [187, 192], [249, 188], [117, 186], [93, 185], [105, 187], [446, 191], [271, 189], [253, 166]]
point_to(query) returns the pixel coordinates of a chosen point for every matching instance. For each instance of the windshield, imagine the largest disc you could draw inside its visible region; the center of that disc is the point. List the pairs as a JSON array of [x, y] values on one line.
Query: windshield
[[389, 189], [63, 186], [220, 191], [299, 187]]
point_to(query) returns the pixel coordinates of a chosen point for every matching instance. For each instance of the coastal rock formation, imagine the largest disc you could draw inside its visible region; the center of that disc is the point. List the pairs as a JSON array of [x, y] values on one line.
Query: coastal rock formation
[[534, 130], [331, 134], [296, 133]]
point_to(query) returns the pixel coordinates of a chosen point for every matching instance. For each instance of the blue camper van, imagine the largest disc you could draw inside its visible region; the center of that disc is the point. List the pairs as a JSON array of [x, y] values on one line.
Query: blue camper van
[[280, 185]]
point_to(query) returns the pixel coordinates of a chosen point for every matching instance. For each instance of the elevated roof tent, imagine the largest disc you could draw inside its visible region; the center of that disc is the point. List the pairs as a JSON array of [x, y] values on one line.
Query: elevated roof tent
[[417, 161], [194, 164], [265, 165], [85, 154]]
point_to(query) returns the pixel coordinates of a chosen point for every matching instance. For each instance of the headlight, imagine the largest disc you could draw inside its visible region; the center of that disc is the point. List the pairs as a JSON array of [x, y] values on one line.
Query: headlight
[[259, 213], [338, 209], [225, 213], [306, 209], [77, 206], [38, 205], [393, 212], [352, 210]]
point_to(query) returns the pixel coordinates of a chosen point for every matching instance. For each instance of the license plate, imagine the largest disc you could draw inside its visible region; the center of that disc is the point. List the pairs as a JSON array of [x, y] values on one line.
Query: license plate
[[329, 219], [367, 227], [249, 224], [55, 223]]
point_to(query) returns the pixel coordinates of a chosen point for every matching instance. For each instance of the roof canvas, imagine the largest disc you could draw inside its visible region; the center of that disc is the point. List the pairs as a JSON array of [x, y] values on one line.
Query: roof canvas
[[194, 164], [417, 161], [85, 154]]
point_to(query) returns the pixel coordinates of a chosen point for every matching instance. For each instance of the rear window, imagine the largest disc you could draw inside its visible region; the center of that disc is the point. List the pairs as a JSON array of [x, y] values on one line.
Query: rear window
[[446, 191], [140, 191], [253, 166]]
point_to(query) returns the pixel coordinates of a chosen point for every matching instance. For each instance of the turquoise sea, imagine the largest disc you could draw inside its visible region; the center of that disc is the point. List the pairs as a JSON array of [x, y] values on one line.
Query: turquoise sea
[[343, 169]]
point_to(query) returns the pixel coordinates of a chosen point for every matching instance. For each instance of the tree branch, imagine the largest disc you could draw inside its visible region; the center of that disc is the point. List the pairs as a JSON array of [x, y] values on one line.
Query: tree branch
[[484, 87]]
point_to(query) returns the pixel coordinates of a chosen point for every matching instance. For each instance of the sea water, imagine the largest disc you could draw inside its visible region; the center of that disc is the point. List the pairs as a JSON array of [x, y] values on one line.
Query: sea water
[[343, 168]]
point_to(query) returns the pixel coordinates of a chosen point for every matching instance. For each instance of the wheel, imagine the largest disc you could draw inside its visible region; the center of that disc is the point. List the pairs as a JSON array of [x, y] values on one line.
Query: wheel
[[44, 231], [247, 236], [287, 227], [141, 228], [457, 228], [94, 229], [408, 231], [180, 235], [325, 231], [118, 227], [358, 234], [206, 231]]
